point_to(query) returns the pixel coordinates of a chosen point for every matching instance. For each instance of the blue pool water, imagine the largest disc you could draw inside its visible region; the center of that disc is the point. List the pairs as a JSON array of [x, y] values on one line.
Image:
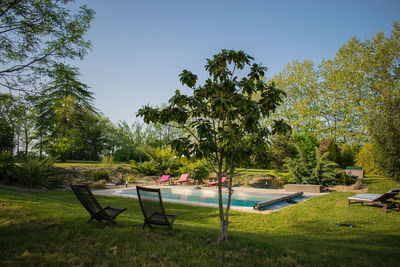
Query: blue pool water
[[209, 196]]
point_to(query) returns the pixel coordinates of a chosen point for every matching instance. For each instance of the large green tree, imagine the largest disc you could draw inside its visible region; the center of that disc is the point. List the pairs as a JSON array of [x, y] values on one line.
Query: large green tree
[[336, 98], [385, 130], [37, 35], [222, 120]]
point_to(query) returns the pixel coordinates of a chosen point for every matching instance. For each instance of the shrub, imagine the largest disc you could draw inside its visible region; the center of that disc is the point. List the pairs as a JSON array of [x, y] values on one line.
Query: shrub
[[162, 161], [107, 161], [99, 184], [147, 167], [33, 172], [7, 166], [313, 171], [131, 179], [99, 174]]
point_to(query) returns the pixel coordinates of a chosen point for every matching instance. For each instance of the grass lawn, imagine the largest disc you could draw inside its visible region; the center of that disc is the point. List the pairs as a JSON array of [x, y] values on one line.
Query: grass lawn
[[49, 228]]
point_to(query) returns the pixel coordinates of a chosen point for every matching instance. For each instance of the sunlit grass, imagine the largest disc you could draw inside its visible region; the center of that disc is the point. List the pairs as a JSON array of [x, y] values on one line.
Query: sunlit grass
[[49, 228]]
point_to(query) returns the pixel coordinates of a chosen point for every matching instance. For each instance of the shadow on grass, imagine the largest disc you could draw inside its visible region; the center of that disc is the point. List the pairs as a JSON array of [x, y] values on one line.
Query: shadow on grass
[[50, 229]]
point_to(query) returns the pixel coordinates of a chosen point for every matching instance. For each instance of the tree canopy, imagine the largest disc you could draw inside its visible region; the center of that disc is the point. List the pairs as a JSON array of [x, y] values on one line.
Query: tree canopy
[[37, 35]]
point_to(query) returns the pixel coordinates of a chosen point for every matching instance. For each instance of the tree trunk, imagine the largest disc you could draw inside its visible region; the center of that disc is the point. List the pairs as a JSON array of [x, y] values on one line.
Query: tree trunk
[[223, 233]]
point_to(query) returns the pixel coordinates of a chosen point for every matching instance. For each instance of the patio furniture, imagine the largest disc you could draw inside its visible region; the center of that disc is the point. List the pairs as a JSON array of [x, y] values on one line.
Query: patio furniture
[[386, 200], [164, 179], [182, 179], [87, 199], [223, 181], [152, 207]]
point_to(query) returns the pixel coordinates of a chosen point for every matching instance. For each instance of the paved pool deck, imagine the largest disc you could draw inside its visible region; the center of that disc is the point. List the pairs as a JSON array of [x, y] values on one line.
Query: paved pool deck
[[115, 192]]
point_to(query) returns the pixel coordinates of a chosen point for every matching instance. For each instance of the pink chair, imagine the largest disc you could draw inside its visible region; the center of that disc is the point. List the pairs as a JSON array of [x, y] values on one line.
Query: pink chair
[[164, 178], [223, 181], [183, 179]]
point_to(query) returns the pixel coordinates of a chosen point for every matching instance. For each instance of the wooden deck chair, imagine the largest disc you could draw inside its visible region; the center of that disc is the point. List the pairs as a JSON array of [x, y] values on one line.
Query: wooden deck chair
[[152, 207], [87, 199], [386, 200]]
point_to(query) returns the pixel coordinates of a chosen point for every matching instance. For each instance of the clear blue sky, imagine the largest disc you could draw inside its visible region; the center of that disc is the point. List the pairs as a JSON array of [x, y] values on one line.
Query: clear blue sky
[[140, 47]]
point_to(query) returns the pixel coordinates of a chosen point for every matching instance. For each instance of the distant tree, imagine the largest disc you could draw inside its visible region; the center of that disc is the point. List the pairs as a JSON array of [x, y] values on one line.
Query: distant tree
[[222, 119], [335, 99], [64, 107], [366, 159], [301, 108], [36, 36], [385, 130]]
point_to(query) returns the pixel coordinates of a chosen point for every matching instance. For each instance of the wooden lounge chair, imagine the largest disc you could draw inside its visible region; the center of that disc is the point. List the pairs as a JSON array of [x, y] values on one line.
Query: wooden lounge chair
[[182, 179], [386, 200], [152, 207], [164, 178], [223, 181], [87, 199]]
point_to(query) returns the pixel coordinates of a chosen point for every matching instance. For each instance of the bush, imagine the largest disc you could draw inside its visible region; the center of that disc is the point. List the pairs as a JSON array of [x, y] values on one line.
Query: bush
[[131, 179], [7, 166], [34, 172], [147, 167], [107, 161], [320, 170], [162, 161], [99, 184], [99, 174]]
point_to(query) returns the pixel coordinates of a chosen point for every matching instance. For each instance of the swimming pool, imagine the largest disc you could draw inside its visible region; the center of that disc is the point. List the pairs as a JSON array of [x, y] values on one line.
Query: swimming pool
[[209, 197]]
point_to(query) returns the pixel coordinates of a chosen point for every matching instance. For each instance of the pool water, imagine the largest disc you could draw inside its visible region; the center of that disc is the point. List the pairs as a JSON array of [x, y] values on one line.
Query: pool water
[[209, 196]]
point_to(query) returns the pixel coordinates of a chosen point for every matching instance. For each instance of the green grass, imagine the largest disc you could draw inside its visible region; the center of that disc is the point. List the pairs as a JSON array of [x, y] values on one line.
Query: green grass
[[49, 228]]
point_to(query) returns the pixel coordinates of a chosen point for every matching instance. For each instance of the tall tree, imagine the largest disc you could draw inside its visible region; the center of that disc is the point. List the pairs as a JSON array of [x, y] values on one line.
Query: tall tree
[[37, 35], [222, 120], [301, 108], [385, 130], [63, 107]]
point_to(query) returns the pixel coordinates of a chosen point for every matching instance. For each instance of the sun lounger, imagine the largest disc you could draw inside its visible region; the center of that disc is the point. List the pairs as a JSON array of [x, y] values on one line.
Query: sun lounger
[[152, 207], [223, 181], [182, 179], [386, 200], [164, 178], [90, 203]]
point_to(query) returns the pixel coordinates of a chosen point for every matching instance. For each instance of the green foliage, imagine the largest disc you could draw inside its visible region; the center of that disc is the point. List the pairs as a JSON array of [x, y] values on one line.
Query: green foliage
[[35, 172], [35, 37], [282, 147], [97, 174], [107, 161], [162, 161], [7, 166], [307, 142], [196, 169], [337, 97], [366, 159], [318, 170], [99, 184], [384, 127], [333, 151], [348, 154]]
